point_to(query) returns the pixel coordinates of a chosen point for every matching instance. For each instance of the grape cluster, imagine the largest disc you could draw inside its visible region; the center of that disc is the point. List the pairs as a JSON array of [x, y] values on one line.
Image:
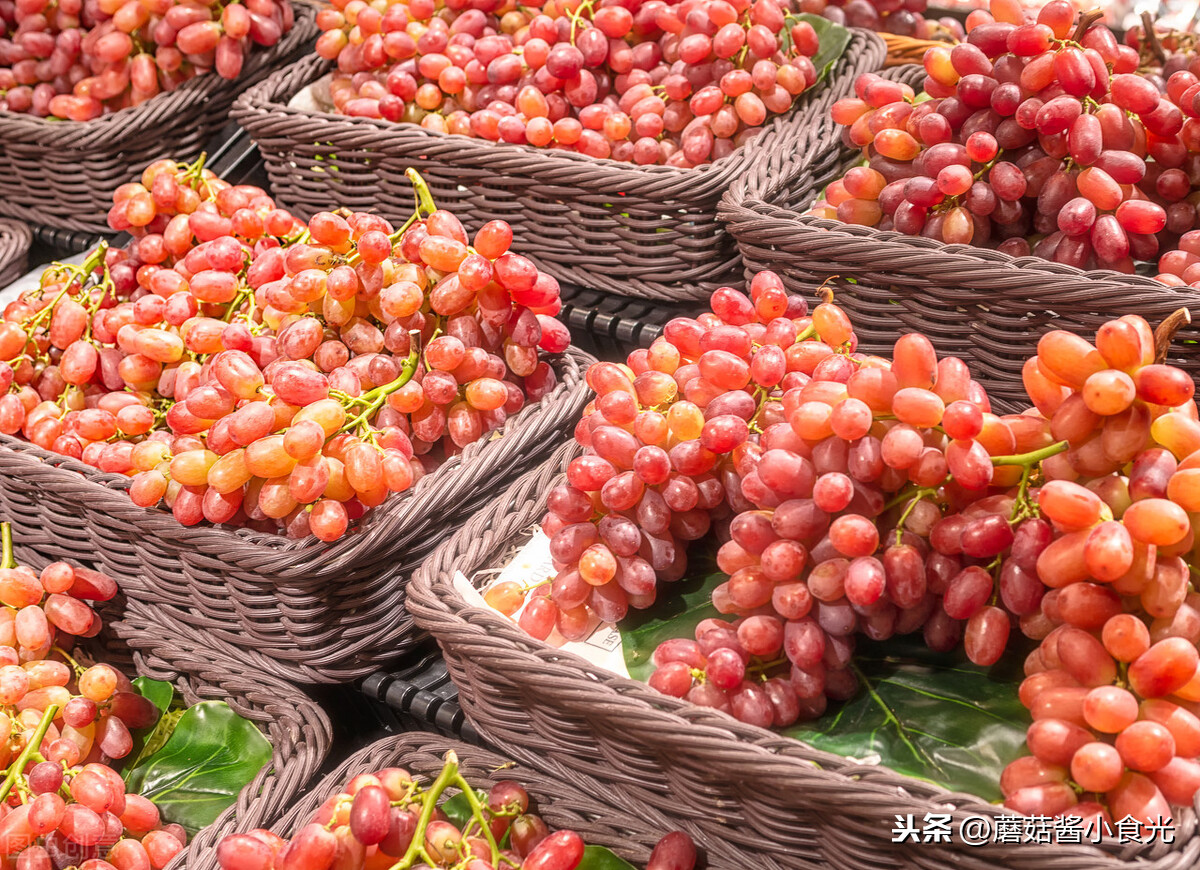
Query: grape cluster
[[1035, 140], [1114, 685], [388, 818], [79, 60], [248, 368], [677, 84], [64, 726]]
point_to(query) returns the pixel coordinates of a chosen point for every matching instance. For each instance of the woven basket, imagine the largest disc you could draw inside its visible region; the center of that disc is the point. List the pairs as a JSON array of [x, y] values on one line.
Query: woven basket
[[204, 669], [605, 811], [978, 304], [15, 239], [794, 806], [319, 612], [632, 230], [62, 173]]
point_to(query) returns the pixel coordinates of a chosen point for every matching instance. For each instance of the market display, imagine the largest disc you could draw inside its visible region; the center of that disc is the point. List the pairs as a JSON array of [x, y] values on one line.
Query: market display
[[1038, 137], [390, 819], [758, 511], [247, 368], [77, 61], [652, 83]]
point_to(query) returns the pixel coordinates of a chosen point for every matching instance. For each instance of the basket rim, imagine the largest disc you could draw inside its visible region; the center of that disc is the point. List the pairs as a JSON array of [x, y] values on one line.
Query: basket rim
[[19, 128], [268, 97], [436, 604]]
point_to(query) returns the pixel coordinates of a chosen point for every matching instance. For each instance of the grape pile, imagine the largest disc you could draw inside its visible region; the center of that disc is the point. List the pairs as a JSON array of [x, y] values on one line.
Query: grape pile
[[387, 819], [247, 368], [858, 495], [64, 726], [677, 84], [1039, 137], [1114, 685], [79, 60]]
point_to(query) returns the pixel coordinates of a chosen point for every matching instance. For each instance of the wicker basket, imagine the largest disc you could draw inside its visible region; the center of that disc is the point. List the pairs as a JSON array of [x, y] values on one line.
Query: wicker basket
[[204, 669], [62, 173], [15, 239], [605, 811], [318, 612], [631, 230], [978, 304], [796, 807]]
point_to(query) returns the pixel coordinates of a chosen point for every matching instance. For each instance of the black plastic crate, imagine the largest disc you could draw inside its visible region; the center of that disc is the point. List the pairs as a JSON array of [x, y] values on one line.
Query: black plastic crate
[[420, 697], [609, 327]]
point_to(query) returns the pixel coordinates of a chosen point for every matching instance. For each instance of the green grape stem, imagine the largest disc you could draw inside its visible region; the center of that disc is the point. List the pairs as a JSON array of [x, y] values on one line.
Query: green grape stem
[[449, 776], [7, 559], [1033, 457], [30, 752], [373, 400], [421, 190]]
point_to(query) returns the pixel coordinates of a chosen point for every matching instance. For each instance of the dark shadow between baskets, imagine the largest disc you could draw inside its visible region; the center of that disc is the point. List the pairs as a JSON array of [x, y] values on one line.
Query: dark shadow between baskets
[[978, 304], [315, 612], [648, 231], [63, 173], [790, 805]]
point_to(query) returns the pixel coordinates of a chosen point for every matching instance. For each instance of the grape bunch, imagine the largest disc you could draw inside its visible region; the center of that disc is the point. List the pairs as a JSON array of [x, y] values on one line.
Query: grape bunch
[[1114, 684], [680, 84], [869, 507], [1040, 137], [247, 368], [388, 818], [66, 725], [662, 437], [79, 60]]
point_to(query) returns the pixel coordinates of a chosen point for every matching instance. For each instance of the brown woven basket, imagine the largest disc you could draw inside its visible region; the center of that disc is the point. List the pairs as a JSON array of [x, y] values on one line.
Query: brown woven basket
[[978, 304], [631, 230], [15, 239], [318, 612], [604, 811], [794, 806], [204, 669], [63, 173]]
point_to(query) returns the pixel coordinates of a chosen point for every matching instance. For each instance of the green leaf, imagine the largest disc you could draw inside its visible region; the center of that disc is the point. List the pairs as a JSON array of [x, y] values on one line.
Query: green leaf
[[158, 692], [833, 41], [931, 716], [211, 754], [674, 615], [457, 809], [600, 858], [147, 741]]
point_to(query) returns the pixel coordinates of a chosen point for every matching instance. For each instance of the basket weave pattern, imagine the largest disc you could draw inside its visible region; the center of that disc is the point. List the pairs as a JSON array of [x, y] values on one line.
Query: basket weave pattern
[[794, 806], [631, 230], [15, 239], [320, 612], [603, 811], [62, 173], [981, 305]]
